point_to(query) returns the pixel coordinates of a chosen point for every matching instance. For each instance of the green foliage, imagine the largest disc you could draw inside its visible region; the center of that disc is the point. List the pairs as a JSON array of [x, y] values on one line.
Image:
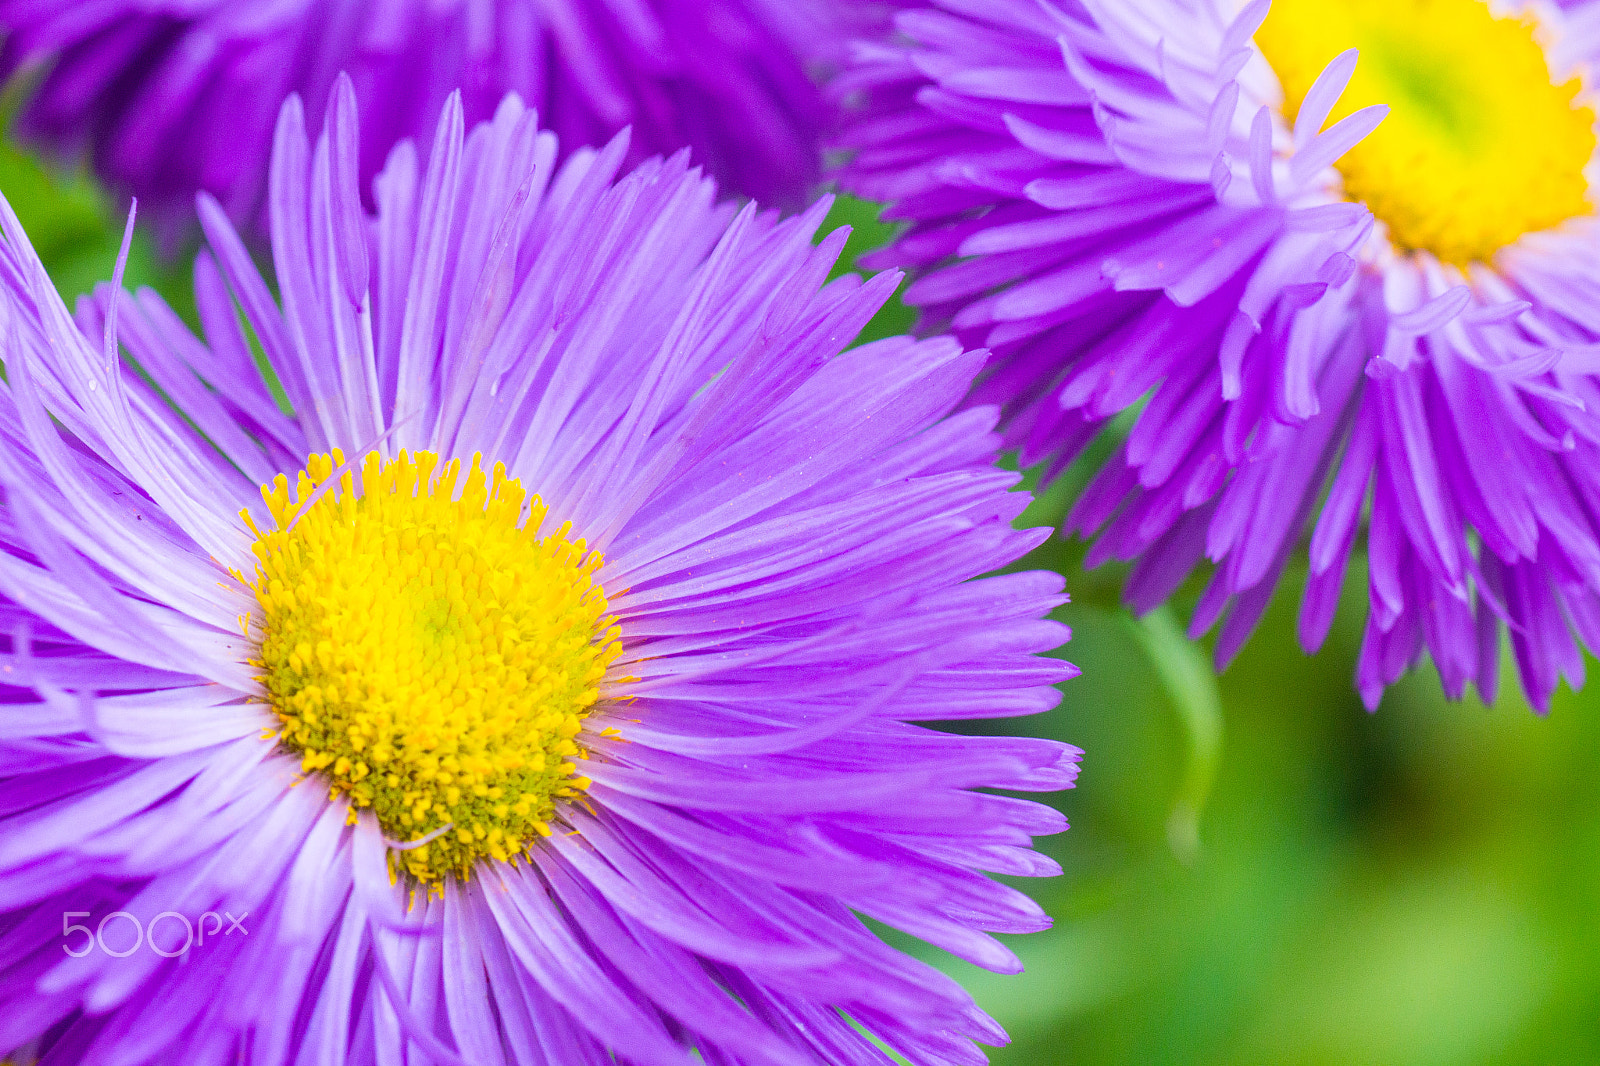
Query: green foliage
[[75, 226]]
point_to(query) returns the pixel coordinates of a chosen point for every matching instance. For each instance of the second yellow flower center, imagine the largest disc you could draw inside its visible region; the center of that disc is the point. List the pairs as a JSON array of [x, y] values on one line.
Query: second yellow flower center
[[1481, 145], [428, 653]]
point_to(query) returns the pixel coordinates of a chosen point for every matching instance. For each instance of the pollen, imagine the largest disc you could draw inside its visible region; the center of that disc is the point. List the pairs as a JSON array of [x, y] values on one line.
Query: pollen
[[428, 653], [1482, 145]]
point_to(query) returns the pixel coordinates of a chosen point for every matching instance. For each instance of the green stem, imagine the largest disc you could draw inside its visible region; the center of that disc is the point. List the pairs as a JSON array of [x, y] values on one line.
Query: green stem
[[1191, 685]]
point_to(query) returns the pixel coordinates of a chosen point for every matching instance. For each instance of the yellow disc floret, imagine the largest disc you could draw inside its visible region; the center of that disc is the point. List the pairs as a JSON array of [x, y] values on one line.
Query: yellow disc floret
[[1481, 145], [429, 654]]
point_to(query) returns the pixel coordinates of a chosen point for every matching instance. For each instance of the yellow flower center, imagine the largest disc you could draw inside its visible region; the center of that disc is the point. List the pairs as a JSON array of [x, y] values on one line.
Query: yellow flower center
[[1480, 146], [430, 654]]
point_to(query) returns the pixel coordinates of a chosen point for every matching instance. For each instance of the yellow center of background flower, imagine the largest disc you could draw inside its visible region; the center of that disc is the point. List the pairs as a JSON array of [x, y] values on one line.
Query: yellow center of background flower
[[1480, 146], [431, 656]]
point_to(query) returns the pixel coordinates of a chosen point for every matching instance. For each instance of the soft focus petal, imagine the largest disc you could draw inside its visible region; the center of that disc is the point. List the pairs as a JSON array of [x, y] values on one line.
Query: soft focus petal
[[1108, 196]]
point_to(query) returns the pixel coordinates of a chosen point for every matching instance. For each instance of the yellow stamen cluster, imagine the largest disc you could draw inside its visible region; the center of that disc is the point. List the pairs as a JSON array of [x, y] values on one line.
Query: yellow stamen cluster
[[1480, 146], [431, 656]]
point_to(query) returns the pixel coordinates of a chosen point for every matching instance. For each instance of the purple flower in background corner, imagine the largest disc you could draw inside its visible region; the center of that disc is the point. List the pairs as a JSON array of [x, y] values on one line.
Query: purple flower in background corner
[[1339, 260], [170, 97], [559, 708]]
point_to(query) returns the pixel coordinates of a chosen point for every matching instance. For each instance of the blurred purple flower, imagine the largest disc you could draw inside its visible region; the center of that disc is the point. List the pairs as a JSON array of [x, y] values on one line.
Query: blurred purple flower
[[1114, 197], [792, 546], [169, 97]]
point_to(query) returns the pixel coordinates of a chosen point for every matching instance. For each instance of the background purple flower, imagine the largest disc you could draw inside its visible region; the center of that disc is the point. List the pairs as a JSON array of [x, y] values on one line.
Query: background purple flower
[[173, 96], [793, 543], [1106, 194]]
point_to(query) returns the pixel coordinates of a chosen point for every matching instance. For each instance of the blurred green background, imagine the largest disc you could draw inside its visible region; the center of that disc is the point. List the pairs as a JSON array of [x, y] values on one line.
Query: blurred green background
[[1259, 871]]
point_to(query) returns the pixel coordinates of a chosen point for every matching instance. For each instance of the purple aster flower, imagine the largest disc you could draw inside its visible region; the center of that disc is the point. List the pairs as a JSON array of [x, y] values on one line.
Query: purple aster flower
[[1161, 207], [174, 96], [559, 708]]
